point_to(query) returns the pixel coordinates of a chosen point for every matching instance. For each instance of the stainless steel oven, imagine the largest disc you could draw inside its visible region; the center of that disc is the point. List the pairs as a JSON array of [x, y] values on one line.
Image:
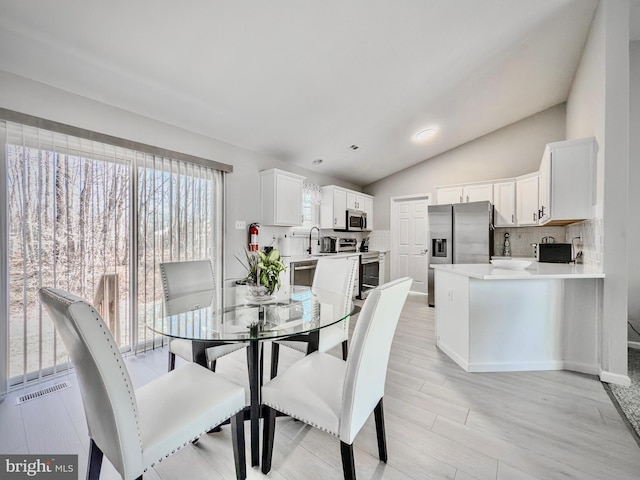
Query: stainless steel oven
[[369, 272], [302, 272]]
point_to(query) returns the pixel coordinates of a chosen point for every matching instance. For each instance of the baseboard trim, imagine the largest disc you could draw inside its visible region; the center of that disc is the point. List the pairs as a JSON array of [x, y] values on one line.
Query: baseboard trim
[[582, 368], [616, 378], [515, 367], [454, 356]]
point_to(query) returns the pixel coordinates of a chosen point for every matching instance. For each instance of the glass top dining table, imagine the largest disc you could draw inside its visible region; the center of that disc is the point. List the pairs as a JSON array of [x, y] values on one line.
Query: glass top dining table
[[294, 312], [238, 317]]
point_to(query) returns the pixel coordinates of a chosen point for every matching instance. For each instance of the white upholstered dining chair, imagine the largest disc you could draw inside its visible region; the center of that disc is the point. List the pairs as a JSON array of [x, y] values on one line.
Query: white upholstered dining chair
[[335, 275], [135, 429], [338, 396], [184, 278]]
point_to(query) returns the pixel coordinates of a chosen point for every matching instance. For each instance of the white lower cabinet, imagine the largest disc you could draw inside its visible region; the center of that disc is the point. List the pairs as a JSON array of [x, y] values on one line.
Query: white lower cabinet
[[518, 325]]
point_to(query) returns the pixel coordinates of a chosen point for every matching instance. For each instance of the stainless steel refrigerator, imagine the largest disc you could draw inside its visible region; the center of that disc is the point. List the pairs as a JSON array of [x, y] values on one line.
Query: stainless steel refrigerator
[[459, 233]]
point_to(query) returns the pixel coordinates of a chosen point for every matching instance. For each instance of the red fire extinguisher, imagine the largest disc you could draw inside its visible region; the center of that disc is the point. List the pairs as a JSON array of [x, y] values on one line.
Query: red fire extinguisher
[[253, 237]]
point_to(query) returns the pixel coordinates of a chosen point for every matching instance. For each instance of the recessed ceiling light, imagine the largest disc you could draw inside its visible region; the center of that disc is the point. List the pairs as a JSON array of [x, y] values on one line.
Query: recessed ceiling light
[[318, 161], [425, 134]]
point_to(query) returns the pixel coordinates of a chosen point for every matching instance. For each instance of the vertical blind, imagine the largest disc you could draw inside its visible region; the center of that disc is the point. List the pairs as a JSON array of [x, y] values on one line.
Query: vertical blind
[[177, 221], [96, 220]]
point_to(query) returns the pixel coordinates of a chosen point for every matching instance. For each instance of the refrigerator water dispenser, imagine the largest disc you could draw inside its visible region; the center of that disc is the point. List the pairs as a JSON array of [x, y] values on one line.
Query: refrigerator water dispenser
[[439, 247]]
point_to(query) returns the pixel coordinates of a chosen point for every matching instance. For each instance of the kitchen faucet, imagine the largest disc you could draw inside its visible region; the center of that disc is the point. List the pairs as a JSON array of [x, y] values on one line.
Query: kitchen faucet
[[309, 249]]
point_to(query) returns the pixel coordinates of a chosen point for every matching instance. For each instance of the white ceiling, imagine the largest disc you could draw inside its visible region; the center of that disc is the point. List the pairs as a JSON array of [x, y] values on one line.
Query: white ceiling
[[301, 80]]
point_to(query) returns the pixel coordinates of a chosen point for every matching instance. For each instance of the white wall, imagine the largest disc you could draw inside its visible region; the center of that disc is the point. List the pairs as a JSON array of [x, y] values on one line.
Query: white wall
[[242, 187], [511, 151], [634, 190], [598, 105]]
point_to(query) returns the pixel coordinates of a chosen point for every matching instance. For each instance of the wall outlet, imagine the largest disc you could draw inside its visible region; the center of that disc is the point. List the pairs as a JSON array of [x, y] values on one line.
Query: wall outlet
[[241, 224]]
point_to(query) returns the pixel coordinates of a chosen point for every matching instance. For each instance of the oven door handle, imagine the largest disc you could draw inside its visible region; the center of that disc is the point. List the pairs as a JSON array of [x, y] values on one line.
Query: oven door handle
[[369, 262], [305, 267]]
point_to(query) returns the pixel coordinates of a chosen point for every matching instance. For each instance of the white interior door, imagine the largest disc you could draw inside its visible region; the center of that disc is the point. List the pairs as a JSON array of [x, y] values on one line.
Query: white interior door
[[409, 240]]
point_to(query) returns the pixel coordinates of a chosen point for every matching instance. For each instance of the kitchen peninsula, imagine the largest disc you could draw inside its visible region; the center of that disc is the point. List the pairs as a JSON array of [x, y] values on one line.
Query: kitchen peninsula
[[545, 317]]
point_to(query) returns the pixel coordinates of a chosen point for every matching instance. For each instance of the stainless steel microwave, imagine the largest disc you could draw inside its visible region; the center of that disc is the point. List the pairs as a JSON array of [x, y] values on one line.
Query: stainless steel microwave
[[356, 221]]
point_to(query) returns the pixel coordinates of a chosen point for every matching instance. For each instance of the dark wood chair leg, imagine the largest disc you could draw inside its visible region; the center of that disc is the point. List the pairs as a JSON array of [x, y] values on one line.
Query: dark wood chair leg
[[348, 465], [237, 438], [261, 378], [172, 361], [382, 441], [268, 433], [275, 352], [345, 349], [95, 461]]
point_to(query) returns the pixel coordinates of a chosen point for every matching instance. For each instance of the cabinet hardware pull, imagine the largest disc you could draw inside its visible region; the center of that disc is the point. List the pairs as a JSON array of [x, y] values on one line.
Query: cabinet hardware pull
[[513, 218], [467, 198], [460, 198]]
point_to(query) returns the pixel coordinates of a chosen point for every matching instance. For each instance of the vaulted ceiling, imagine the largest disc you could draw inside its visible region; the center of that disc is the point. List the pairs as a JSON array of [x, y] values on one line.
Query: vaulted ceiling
[[301, 80]]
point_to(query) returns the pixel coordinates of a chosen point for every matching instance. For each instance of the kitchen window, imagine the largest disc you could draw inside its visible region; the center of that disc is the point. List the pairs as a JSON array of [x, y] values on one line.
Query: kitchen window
[[311, 198]]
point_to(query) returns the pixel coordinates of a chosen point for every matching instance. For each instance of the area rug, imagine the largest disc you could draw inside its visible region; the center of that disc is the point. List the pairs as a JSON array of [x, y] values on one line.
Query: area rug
[[628, 398]]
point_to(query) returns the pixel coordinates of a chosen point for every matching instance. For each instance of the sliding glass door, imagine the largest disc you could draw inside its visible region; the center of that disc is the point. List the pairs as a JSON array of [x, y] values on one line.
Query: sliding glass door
[[96, 220], [177, 221]]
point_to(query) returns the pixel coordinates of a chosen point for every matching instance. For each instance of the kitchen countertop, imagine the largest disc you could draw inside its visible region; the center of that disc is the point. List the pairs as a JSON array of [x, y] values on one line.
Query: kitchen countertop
[[307, 257], [536, 270]]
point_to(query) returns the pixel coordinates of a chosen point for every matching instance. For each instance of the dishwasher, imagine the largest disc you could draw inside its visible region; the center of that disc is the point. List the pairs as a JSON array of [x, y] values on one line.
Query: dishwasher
[[302, 272]]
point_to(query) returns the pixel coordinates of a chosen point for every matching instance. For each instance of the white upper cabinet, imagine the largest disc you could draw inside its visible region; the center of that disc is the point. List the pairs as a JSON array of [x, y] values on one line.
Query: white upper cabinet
[[351, 200], [281, 197], [333, 207], [368, 209], [473, 192], [335, 203], [449, 195], [504, 201], [561, 192], [478, 192], [527, 200], [567, 182]]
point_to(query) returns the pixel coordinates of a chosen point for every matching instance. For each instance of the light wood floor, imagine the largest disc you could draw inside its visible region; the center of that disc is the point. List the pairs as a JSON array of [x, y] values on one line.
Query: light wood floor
[[441, 423]]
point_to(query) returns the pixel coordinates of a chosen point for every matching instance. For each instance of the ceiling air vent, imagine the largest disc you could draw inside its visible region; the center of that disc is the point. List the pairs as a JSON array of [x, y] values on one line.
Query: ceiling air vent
[[354, 147], [41, 393]]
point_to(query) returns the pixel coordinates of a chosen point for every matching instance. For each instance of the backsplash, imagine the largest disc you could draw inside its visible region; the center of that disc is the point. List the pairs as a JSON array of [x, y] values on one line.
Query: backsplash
[[295, 241], [380, 240], [591, 244], [521, 239]]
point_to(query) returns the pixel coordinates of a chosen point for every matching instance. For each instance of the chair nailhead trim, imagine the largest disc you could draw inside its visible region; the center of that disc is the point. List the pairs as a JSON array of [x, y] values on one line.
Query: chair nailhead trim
[[68, 301], [198, 436], [303, 420]]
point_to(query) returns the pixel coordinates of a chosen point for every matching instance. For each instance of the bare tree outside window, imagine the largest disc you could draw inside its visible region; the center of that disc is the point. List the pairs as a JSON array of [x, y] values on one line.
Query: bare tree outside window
[[69, 204]]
